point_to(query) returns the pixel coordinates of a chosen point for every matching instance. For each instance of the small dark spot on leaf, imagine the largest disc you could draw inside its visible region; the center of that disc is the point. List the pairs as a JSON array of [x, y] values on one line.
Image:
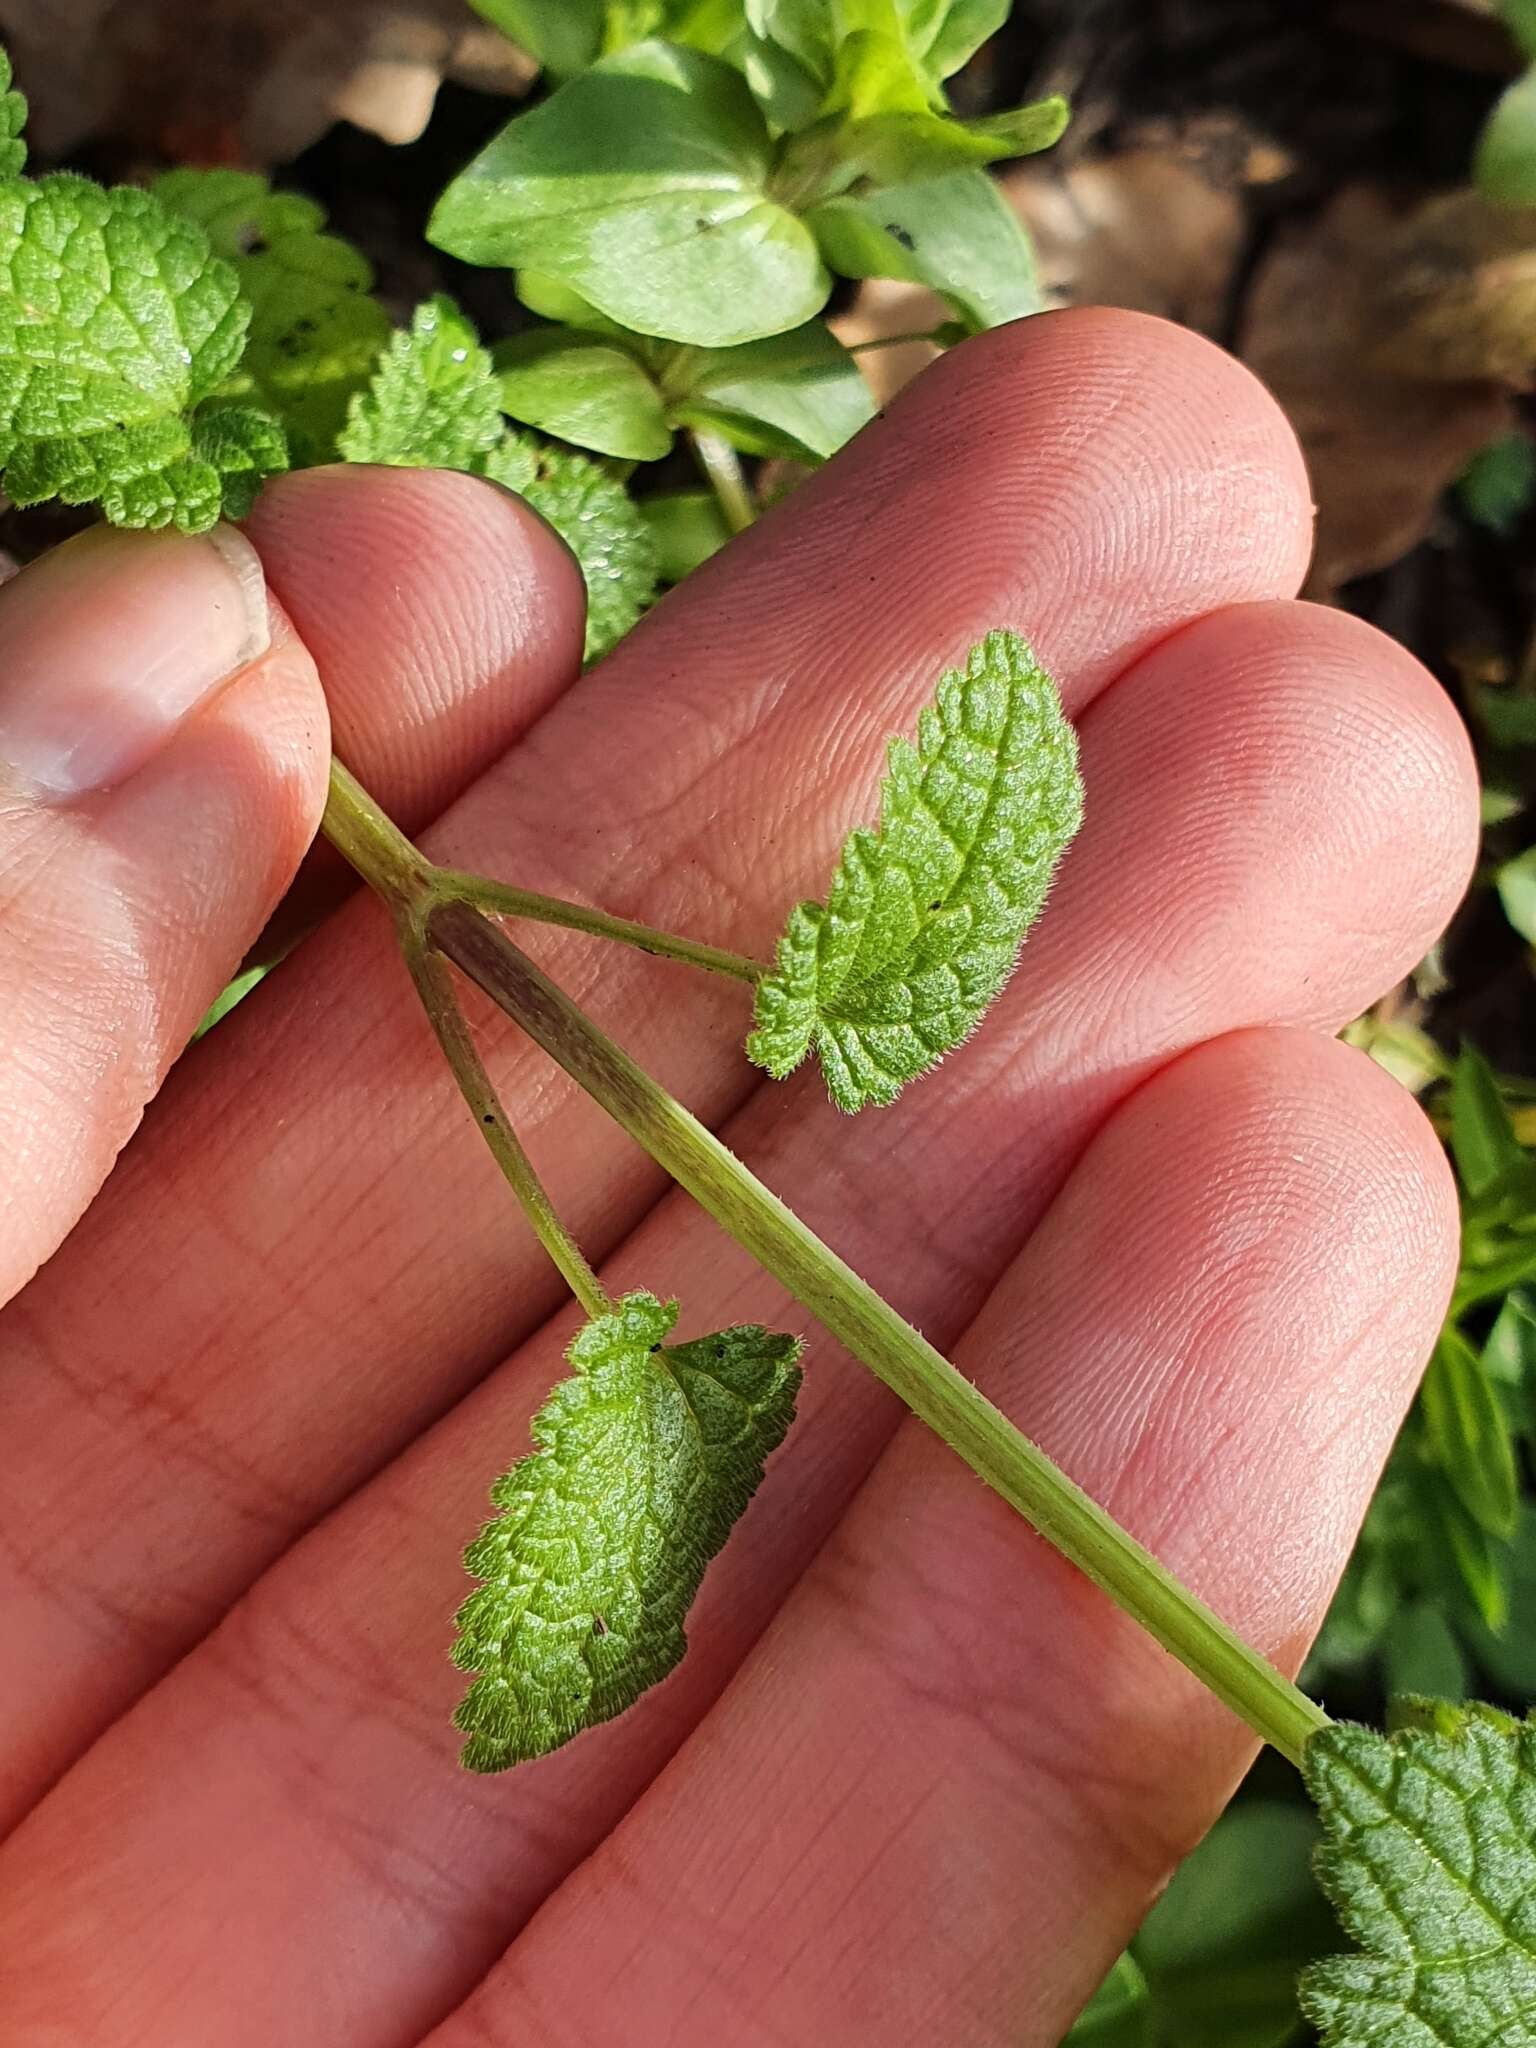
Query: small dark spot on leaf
[[900, 234], [599, 1626], [489, 1117]]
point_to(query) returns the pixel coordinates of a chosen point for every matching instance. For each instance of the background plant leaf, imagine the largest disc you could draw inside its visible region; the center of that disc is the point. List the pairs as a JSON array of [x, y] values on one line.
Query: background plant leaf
[[643, 185]]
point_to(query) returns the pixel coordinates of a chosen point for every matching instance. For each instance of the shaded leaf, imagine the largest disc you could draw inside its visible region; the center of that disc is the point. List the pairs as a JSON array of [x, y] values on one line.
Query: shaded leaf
[[585, 390], [955, 234]]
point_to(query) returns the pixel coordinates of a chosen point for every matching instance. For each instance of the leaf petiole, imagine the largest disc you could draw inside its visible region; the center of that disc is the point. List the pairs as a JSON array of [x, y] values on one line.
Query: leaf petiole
[[501, 900], [479, 1092]]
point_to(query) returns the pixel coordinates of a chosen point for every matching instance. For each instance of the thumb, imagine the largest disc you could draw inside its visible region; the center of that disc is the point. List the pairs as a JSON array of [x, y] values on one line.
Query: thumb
[[163, 746]]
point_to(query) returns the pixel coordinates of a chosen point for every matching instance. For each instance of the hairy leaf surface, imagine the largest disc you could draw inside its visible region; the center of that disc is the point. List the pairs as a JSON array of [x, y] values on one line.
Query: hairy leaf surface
[[433, 402], [598, 521], [1430, 1858], [925, 915], [644, 1460]]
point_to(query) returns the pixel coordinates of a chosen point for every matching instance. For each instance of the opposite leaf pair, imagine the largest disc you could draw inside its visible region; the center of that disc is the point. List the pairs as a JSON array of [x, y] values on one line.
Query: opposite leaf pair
[[648, 1455]]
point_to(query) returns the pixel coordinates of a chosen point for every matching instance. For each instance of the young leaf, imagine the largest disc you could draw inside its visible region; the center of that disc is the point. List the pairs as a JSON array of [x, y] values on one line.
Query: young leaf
[[925, 916], [644, 1461], [956, 234], [899, 147], [433, 401], [643, 185], [315, 332], [598, 521], [1429, 1858], [586, 390], [13, 118]]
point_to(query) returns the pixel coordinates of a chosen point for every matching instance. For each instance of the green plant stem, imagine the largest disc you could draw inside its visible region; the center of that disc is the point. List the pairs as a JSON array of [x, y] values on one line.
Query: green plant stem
[[503, 901], [478, 1090], [408, 882], [370, 841], [869, 1328], [717, 459]]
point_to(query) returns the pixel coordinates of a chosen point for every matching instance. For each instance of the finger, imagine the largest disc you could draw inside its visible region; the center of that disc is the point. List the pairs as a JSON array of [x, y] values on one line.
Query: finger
[[952, 1778], [325, 1675], [1109, 477], [163, 742], [445, 617]]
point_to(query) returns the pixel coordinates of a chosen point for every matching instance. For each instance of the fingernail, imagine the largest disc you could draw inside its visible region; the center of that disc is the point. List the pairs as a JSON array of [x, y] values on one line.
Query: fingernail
[[109, 643]]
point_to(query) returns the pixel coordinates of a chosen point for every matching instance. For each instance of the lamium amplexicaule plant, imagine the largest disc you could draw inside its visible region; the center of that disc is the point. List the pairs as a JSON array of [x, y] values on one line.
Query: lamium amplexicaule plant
[[672, 211]]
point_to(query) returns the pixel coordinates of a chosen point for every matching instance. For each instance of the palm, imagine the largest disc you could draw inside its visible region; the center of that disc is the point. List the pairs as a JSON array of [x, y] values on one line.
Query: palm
[[915, 1779]]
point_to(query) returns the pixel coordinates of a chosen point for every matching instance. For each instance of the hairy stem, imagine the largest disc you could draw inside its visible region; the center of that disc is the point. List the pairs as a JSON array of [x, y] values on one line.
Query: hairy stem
[[503, 901], [477, 1088], [717, 459], [370, 840], [869, 1328]]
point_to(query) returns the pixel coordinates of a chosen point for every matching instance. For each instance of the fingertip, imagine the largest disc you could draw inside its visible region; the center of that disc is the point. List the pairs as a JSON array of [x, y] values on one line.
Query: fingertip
[[444, 616], [1175, 448]]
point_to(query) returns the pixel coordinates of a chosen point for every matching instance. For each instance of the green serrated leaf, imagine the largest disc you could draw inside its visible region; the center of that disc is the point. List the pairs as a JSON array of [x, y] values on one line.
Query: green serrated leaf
[[644, 1460], [112, 312], [433, 402], [585, 389], [598, 521], [642, 184], [13, 119], [1429, 1858], [955, 234], [315, 332], [243, 446], [925, 916]]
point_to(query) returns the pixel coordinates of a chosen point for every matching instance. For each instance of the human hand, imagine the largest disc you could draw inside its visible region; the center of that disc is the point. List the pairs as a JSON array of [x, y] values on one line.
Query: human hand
[[916, 1779]]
